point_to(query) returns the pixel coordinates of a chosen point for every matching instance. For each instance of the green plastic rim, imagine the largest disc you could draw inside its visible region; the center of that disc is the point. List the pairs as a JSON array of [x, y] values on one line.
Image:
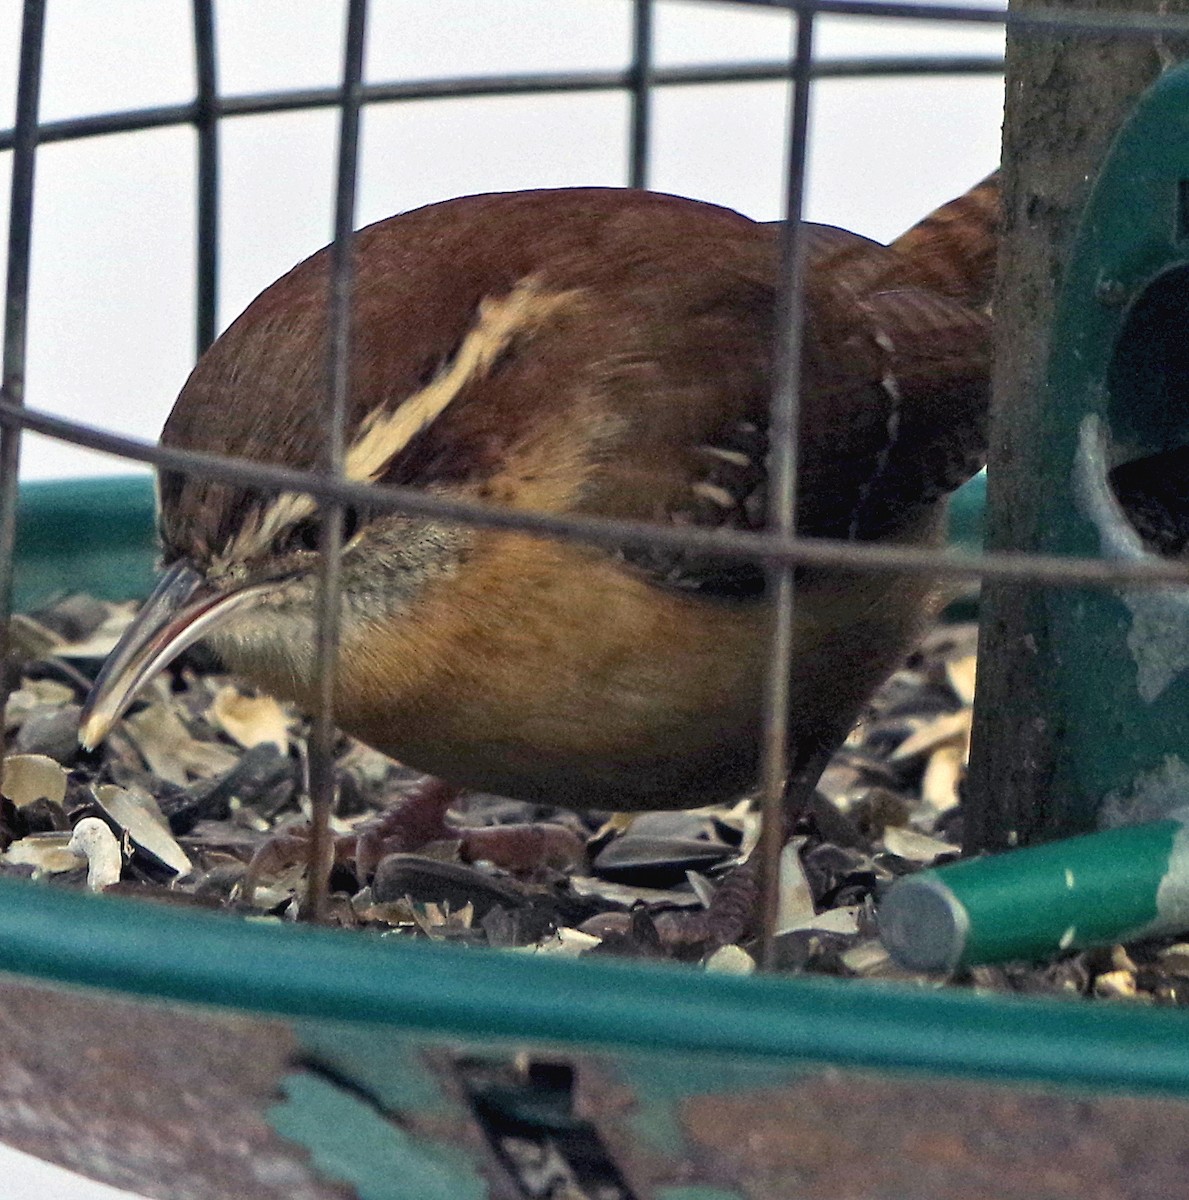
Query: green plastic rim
[[88, 535]]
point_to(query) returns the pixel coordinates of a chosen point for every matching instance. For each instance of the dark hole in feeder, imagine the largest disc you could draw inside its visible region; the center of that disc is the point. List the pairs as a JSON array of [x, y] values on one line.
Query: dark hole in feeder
[[1148, 382], [527, 1112], [1154, 493]]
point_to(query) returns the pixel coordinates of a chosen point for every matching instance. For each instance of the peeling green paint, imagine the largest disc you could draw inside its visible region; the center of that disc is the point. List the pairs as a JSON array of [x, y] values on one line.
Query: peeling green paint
[[349, 1141], [1115, 671], [393, 1070]]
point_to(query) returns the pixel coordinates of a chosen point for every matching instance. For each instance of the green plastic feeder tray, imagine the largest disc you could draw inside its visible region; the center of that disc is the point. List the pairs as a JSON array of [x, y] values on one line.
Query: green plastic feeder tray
[[185, 1053]]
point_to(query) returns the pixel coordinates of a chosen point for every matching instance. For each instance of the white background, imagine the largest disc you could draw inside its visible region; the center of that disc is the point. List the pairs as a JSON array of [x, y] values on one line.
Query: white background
[[111, 320]]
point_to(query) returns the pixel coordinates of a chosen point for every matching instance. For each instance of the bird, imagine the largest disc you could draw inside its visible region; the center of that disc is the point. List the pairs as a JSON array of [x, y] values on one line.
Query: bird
[[599, 351]]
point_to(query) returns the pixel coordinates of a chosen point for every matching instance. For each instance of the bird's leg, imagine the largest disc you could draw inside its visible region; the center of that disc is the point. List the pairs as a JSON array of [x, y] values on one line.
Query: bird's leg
[[733, 909], [418, 819]]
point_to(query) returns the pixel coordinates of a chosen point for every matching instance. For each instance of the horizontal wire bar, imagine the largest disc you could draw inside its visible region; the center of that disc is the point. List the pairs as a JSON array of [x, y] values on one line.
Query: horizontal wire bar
[[611, 533], [470, 87], [984, 14], [461, 87], [1040, 20]]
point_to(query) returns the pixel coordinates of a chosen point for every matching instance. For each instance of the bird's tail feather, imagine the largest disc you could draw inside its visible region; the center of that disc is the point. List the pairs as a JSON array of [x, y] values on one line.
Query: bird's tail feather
[[953, 250]]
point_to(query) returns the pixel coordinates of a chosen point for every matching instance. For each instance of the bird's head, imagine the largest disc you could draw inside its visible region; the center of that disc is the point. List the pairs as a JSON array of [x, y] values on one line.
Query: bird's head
[[255, 604]]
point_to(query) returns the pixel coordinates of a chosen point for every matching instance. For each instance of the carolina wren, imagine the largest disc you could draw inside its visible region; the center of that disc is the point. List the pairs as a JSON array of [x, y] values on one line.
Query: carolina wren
[[576, 351]]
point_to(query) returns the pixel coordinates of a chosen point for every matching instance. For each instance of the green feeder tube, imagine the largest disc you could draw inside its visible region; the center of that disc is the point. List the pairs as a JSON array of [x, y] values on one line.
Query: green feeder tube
[[1031, 904]]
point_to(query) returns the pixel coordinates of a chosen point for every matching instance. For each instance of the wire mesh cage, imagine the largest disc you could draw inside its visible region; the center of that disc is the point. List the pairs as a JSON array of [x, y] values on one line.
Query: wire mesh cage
[[778, 548]]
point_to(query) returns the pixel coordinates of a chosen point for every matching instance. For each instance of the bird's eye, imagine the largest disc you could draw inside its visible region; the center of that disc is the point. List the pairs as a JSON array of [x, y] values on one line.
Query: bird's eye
[[306, 535]]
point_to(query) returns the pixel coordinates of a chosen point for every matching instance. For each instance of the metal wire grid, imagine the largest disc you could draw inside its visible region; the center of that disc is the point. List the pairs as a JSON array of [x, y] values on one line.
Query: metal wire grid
[[778, 548]]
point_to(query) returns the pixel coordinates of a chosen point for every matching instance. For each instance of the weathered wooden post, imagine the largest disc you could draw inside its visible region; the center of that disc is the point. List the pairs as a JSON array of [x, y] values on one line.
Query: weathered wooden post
[[1066, 99]]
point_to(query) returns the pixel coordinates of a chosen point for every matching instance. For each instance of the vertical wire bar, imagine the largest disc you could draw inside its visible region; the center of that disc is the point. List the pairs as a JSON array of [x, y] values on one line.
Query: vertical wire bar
[[641, 72], [783, 428], [322, 735], [16, 309], [206, 124]]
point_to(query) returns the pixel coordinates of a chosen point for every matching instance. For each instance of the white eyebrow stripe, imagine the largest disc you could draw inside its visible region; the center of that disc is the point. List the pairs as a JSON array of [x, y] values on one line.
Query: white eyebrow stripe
[[383, 436], [255, 535]]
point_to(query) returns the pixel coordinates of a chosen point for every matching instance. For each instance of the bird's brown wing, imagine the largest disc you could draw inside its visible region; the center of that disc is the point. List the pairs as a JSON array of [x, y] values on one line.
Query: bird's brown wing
[[894, 394], [894, 410]]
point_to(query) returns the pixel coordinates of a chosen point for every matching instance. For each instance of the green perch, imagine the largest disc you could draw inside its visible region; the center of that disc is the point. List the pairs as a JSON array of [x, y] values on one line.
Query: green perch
[[1096, 889]]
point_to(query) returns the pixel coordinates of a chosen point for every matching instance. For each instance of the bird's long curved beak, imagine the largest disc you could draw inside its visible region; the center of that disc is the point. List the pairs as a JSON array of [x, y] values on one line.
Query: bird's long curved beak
[[183, 608]]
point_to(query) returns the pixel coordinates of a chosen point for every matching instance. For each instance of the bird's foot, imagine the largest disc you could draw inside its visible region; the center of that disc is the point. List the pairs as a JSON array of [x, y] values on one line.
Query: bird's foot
[[733, 914], [728, 919], [421, 818], [283, 851], [418, 819]]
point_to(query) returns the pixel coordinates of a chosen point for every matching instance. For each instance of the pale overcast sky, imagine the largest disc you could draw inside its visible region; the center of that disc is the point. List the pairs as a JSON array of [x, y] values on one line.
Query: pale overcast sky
[[111, 325]]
